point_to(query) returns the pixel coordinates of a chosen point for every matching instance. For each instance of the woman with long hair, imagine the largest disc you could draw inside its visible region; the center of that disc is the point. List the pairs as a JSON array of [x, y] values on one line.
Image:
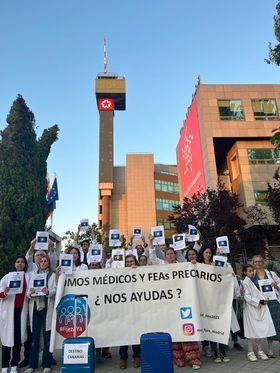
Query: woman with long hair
[[40, 313], [13, 317]]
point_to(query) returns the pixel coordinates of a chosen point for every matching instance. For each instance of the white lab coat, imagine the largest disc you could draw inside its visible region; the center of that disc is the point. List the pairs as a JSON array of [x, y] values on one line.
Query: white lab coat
[[50, 303], [7, 306], [256, 317]]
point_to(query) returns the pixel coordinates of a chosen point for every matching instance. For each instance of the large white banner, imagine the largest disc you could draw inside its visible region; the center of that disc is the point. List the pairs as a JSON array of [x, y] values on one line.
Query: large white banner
[[191, 302]]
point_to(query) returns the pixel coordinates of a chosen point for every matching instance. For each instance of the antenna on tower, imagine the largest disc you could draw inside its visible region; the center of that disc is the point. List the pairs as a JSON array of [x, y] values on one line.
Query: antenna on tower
[[105, 60]]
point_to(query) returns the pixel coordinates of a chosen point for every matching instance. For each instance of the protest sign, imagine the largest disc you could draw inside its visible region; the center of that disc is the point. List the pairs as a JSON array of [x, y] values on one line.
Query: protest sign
[[179, 241], [84, 225], [118, 256], [95, 253], [219, 260], [114, 237], [158, 234], [267, 290], [38, 281], [191, 302], [137, 232], [42, 239], [15, 282], [66, 263], [223, 244], [193, 234]]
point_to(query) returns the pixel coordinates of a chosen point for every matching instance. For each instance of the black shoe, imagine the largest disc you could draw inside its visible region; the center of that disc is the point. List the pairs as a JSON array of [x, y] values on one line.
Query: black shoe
[[237, 346], [23, 363], [53, 361]]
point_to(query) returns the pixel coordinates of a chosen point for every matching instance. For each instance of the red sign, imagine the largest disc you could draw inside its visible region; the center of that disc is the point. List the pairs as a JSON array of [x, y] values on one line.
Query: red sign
[[189, 156], [105, 104]]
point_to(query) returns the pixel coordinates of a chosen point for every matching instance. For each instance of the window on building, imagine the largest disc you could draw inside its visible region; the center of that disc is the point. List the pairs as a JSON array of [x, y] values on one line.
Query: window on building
[[165, 204], [167, 224], [231, 109], [263, 156], [166, 186], [260, 197], [165, 172], [265, 109]]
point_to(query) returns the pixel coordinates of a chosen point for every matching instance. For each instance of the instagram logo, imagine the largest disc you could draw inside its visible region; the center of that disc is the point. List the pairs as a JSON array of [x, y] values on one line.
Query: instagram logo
[[188, 329]]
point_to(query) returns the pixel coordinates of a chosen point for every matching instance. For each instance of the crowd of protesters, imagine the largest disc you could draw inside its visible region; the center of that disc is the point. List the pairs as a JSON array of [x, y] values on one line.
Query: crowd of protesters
[[26, 318]]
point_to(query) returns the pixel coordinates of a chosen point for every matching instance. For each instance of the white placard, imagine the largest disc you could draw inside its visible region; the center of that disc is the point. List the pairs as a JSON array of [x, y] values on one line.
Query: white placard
[[132, 252], [158, 234], [193, 234], [15, 282], [114, 237], [95, 253], [220, 261], [137, 232], [223, 244], [118, 257], [84, 225], [42, 239], [38, 282], [179, 241], [66, 263], [75, 353], [267, 290]]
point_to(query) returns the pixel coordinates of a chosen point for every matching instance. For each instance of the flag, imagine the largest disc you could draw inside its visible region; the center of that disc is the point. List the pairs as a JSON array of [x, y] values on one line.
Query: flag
[[52, 196]]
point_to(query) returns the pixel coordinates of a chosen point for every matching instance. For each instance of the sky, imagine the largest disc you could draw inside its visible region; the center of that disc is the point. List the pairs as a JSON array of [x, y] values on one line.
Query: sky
[[51, 52]]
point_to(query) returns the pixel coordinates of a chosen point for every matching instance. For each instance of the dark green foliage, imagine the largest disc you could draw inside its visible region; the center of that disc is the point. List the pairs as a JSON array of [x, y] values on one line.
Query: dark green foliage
[[23, 169], [274, 52], [214, 213]]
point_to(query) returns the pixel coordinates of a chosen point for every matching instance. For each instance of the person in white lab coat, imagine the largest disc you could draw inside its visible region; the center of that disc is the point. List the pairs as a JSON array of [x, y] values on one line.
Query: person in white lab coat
[[257, 320], [13, 318], [40, 313]]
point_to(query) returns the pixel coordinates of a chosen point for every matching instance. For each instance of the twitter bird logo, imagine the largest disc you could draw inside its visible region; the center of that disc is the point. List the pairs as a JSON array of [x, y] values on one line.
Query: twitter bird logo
[[186, 312]]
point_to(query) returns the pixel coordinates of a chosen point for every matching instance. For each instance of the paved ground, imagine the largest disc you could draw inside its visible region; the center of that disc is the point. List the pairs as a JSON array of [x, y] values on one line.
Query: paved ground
[[238, 363]]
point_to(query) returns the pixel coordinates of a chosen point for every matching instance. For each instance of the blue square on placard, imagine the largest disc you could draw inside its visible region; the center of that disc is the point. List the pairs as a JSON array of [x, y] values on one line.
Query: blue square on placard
[[186, 312]]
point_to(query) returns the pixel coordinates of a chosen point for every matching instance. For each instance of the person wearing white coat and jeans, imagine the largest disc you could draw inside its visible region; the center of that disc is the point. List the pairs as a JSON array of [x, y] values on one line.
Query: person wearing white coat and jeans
[[257, 320], [40, 313], [13, 318]]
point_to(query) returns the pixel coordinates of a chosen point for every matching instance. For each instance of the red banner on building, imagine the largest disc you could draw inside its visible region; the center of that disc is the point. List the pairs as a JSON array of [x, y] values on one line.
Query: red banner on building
[[106, 104], [189, 156]]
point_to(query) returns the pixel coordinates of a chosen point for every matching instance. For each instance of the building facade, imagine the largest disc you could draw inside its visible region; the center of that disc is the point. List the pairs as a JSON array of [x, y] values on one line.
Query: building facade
[[226, 138], [143, 195]]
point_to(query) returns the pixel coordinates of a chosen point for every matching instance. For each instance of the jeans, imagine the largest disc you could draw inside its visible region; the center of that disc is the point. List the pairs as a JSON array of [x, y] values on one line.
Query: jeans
[[39, 322], [6, 351], [123, 351], [214, 348]]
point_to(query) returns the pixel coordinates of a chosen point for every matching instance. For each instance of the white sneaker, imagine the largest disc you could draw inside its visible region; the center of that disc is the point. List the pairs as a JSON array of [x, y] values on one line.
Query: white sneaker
[[14, 370], [4, 370], [262, 355], [46, 370], [29, 370], [195, 366], [251, 356]]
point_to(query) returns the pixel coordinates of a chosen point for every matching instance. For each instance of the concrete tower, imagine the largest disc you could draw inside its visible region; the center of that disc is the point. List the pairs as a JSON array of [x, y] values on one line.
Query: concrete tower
[[110, 96]]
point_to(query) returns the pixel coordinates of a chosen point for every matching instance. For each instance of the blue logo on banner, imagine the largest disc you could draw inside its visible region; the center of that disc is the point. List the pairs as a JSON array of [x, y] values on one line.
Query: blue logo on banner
[[186, 313], [65, 316]]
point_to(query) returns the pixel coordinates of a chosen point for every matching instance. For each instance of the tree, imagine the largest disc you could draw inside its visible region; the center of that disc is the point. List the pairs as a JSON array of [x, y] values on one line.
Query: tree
[[23, 185], [273, 196], [274, 52], [273, 191], [214, 213]]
